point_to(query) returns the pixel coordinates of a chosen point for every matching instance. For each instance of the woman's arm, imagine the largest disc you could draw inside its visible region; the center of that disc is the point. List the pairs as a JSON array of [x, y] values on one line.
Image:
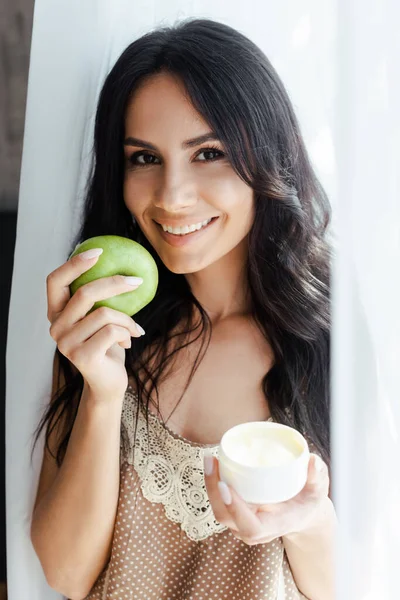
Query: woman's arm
[[73, 519], [311, 555], [309, 518]]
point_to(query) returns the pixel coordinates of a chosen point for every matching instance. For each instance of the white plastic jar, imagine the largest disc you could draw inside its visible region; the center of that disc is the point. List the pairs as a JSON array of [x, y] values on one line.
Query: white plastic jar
[[264, 462]]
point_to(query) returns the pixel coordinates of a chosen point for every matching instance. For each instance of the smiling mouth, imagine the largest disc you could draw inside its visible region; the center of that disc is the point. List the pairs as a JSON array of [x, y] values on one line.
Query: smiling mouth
[[187, 233]]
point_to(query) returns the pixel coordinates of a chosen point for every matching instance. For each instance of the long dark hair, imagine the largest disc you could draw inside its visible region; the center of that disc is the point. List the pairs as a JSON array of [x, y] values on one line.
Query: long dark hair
[[232, 84]]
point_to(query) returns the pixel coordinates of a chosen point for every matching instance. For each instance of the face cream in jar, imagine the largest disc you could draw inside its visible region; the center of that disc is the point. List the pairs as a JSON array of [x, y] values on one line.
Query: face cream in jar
[[264, 462]]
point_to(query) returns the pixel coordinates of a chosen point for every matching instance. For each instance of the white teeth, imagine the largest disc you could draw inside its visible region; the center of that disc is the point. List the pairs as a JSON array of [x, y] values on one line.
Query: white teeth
[[185, 228]]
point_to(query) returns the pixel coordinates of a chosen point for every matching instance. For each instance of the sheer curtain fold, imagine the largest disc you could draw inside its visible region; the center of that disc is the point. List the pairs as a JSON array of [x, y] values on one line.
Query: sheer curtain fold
[[338, 60], [366, 359]]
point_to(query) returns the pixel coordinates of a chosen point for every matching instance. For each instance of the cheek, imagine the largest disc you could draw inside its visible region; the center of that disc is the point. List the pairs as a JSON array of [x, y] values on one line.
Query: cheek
[[241, 217], [238, 204], [136, 193], [247, 211], [228, 190], [218, 180]]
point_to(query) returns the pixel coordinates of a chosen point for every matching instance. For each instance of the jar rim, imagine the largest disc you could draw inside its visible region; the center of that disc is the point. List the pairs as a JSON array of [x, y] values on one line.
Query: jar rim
[[298, 437]]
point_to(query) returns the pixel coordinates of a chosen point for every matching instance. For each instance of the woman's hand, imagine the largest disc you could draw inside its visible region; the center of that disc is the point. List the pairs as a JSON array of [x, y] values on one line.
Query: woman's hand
[[95, 343], [259, 524]]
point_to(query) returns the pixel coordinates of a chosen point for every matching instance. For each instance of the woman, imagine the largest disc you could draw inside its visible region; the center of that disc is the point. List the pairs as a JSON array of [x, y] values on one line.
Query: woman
[[198, 156]]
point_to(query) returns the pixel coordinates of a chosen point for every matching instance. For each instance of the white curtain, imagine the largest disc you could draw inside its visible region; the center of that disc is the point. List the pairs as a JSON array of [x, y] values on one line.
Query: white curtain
[[366, 408], [337, 60]]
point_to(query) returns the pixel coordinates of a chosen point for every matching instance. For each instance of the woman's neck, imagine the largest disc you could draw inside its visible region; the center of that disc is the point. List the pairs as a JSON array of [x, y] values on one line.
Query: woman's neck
[[222, 288]]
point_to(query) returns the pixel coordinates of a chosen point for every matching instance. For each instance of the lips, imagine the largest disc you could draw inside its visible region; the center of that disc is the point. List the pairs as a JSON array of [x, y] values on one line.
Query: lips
[[178, 240]]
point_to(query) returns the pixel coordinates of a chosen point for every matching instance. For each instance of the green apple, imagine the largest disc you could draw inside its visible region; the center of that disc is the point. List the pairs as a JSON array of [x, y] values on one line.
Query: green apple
[[121, 256]]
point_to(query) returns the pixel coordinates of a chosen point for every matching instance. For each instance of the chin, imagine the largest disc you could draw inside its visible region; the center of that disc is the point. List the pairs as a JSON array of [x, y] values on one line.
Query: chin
[[183, 267]]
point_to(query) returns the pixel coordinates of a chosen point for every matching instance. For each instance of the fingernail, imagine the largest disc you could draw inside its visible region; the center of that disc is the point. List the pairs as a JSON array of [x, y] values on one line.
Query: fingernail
[[225, 493], [91, 253], [133, 280], [208, 465], [140, 329]]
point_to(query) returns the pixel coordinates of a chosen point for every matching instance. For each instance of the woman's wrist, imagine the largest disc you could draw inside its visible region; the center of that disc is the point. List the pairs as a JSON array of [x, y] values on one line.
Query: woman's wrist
[[324, 518], [103, 400]]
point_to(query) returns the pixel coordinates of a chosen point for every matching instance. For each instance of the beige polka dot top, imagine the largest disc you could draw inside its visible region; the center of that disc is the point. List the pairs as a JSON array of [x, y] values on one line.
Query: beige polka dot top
[[167, 544]]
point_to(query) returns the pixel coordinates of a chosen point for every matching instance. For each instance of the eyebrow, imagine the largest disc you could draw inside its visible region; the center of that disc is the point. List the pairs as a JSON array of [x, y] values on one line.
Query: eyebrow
[[207, 137]]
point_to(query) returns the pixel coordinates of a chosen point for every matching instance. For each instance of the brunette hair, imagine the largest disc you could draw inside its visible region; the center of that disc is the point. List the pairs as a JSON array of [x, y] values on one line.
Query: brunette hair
[[233, 85]]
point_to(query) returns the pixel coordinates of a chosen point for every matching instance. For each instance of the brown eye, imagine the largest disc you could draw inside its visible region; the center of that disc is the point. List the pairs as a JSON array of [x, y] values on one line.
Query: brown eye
[[142, 159], [210, 154]]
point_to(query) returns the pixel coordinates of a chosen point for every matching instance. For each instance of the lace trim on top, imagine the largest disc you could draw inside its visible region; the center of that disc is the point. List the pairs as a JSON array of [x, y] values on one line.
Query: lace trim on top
[[170, 469]]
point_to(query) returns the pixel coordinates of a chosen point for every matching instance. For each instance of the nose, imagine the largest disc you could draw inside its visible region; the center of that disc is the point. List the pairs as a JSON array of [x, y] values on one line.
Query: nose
[[175, 193]]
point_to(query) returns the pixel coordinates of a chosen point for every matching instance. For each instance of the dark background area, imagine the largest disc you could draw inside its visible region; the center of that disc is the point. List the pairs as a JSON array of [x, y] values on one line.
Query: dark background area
[[15, 39]]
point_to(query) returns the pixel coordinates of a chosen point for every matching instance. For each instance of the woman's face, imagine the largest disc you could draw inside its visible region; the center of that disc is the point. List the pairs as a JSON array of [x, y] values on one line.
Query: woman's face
[[176, 182]]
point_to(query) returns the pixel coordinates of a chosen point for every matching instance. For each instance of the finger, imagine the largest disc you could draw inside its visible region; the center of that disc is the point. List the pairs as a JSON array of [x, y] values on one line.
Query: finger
[[317, 483], [246, 521], [96, 347], [86, 296], [317, 470], [100, 289], [58, 281], [218, 507], [87, 327]]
